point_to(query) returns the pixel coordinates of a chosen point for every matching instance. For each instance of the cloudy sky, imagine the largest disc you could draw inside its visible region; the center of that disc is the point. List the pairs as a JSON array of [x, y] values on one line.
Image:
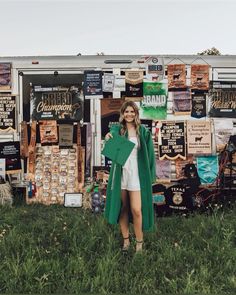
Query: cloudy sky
[[69, 27]]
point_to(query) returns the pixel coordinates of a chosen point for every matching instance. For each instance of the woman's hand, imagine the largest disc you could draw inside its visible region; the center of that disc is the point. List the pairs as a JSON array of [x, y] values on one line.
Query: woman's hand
[[108, 136]]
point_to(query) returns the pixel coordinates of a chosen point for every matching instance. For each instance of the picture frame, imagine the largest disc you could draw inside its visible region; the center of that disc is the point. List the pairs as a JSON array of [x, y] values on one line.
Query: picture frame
[[73, 200]]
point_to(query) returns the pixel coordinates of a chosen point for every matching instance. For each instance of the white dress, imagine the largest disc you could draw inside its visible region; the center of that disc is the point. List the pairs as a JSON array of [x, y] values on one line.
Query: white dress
[[130, 176]]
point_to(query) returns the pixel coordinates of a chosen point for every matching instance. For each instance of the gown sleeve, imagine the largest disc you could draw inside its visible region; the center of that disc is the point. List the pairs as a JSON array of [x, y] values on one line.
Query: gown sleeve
[[151, 155]]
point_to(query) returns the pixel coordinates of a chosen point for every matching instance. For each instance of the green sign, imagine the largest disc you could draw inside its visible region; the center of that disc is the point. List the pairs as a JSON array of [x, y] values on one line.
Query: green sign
[[154, 103]]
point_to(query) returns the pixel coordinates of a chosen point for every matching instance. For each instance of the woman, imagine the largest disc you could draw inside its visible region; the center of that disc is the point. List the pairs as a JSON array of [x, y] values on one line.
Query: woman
[[129, 187]]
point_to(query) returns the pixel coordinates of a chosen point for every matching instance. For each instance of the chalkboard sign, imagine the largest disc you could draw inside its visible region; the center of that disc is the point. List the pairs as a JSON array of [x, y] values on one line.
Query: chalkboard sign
[[11, 152], [172, 141], [7, 112]]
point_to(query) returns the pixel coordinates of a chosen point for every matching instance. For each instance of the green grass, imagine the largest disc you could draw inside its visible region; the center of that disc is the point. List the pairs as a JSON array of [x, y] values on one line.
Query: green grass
[[63, 250]]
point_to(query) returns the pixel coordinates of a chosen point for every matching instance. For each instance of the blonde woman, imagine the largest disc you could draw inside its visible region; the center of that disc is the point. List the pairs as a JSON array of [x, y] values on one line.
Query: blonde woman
[[129, 190]]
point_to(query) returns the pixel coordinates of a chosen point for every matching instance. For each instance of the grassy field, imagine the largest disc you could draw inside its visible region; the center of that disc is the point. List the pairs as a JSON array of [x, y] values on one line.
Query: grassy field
[[61, 250]]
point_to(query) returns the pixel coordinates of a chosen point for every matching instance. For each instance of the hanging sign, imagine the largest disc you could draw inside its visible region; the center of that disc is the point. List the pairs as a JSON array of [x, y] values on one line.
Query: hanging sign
[[172, 141], [134, 85], [198, 105], [176, 76], [7, 112], [199, 137], [57, 105], [48, 131], [154, 103], [93, 84], [11, 152], [5, 76], [200, 77]]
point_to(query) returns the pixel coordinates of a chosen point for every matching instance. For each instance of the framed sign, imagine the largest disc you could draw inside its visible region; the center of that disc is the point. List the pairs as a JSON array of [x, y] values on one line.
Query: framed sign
[[7, 112], [172, 140], [73, 199]]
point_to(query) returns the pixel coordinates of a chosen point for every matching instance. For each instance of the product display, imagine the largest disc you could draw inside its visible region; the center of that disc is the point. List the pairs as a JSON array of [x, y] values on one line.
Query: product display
[[55, 173]]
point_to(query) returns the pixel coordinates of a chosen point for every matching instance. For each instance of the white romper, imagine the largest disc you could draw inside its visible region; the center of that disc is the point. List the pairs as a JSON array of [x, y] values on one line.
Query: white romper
[[130, 176]]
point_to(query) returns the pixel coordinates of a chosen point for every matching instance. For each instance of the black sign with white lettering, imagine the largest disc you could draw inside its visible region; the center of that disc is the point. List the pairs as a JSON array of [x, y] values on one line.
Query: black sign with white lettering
[[198, 105], [57, 105], [223, 99], [11, 152], [172, 145], [7, 112]]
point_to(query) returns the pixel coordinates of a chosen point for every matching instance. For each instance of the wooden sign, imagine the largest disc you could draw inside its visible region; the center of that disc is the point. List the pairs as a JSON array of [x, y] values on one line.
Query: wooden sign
[[7, 112], [172, 141], [199, 137]]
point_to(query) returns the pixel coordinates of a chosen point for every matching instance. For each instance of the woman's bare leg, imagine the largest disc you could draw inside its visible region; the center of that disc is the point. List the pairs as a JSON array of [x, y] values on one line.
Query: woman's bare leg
[[136, 209], [124, 218]]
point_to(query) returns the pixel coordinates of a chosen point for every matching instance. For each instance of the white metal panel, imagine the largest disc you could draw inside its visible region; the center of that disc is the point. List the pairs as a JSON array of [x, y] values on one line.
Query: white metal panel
[[225, 74]]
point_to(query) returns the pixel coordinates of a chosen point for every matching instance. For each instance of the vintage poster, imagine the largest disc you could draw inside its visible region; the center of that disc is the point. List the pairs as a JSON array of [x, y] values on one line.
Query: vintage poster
[[176, 76], [154, 103], [7, 113], [110, 113], [207, 167], [93, 84], [200, 77], [198, 105], [181, 102], [134, 85], [5, 76], [48, 131], [108, 82], [199, 137], [172, 140], [65, 135], [10, 151], [57, 104]]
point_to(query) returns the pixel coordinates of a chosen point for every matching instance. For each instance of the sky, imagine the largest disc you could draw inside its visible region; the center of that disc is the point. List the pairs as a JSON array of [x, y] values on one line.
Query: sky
[[69, 27]]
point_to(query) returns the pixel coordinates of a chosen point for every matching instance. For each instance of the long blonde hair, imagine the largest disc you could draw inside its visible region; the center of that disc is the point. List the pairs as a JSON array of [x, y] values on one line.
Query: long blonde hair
[[137, 123]]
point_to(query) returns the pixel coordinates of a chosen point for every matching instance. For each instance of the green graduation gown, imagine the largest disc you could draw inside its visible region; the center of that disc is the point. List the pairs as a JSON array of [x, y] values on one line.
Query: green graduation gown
[[147, 175]]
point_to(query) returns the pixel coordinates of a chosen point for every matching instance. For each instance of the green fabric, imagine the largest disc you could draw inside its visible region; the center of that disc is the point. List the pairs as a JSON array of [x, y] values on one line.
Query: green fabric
[[147, 175], [118, 149]]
